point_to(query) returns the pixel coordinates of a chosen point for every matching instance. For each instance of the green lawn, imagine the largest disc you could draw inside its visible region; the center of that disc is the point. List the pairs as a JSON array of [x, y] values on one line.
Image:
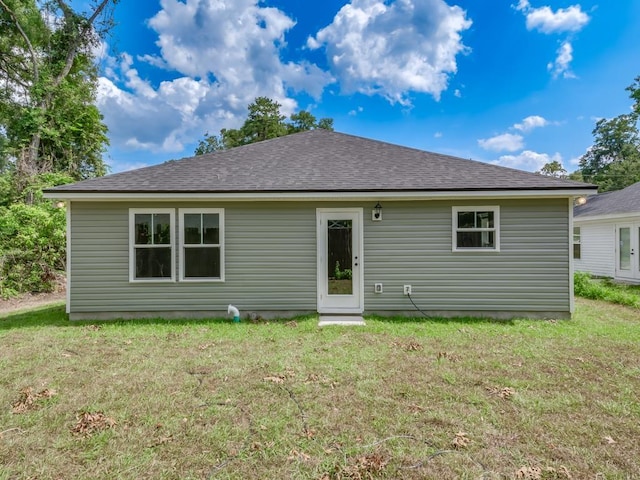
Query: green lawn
[[395, 399]]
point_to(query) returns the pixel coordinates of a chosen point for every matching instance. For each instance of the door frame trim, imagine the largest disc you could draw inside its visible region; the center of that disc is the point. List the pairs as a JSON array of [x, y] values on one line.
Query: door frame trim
[[358, 283]]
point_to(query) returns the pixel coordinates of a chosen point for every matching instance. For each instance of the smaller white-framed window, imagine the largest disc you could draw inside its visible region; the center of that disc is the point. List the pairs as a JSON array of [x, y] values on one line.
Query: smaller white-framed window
[[476, 228], [577, 243], [201, 244], [151, 244]]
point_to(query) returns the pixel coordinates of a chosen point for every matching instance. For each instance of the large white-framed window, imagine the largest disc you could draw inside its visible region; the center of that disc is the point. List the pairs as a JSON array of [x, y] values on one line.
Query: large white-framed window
[[151, 244], [476, 228], [201, 244]]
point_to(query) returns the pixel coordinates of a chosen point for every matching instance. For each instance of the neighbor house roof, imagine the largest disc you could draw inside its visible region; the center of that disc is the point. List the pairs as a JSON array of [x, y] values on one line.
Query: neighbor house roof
[[620, 202], [318, 161]]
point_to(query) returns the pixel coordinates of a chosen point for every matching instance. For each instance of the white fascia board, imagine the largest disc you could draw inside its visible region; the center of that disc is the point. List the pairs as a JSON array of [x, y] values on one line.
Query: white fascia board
[[316, 196], [630, 216]]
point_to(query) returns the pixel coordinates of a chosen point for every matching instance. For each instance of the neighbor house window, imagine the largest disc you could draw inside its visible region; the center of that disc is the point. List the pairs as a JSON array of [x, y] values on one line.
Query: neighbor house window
[[476, 228], [201, 244], [151, 256], [576, 242]]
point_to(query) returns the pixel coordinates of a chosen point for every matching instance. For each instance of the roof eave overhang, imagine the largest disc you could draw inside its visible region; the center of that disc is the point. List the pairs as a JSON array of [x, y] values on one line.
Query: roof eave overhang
[[316, 196], [608, 216]]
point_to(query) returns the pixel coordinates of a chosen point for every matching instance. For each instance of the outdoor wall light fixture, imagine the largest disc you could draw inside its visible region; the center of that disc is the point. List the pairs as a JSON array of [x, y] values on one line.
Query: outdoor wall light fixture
[[376, 214], [581, 200]]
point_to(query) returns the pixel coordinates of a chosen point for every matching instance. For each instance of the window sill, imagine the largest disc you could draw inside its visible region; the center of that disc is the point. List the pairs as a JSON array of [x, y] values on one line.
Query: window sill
[[202, 280], [475, 250]]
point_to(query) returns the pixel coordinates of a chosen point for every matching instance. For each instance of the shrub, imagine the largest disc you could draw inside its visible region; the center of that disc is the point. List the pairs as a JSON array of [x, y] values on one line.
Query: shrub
[[32, 247], [588, 287]]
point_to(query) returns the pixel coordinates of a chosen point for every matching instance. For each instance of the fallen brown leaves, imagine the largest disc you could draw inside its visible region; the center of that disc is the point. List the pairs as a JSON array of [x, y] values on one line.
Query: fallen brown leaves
[[89, 423], [365, 467], [505, 392], [460, 441], [452, 357], [298, 455], [539, 473], [29, 400], [411, 346], [279, 379]]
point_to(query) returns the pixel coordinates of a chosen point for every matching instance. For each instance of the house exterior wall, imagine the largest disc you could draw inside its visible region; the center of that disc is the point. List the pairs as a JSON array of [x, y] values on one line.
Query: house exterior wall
[[271, 264], [597, 248], [598, 245]]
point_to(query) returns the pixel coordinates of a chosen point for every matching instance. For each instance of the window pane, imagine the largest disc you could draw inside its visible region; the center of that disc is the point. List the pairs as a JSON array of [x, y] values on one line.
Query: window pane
[[339, 255], [192, 229], [161, 229], [210, 225], [625, 248], [153, 263], [466, 220], [476, 239], [143, 229], [202, 262], [576, 250], [484, 219]]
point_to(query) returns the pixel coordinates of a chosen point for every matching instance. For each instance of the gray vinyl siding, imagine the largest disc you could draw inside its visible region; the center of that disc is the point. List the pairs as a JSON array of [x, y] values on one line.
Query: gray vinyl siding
[[413, 246], [269, 256], [270, 259]]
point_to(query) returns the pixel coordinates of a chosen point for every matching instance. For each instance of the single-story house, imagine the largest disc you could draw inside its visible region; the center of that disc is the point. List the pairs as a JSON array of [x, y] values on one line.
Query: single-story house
[[323, 222], [607, 235]]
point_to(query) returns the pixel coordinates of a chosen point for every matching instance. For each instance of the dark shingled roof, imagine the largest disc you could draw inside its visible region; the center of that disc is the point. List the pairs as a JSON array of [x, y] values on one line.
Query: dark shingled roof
[[622, 201], [318, 161]]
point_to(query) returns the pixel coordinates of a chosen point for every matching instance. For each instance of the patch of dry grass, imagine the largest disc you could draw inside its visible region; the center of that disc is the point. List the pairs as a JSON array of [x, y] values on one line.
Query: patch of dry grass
[[395, 399]]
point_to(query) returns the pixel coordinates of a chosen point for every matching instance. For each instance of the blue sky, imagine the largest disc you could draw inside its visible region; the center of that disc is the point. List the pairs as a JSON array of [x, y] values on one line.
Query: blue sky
[[517, 83]]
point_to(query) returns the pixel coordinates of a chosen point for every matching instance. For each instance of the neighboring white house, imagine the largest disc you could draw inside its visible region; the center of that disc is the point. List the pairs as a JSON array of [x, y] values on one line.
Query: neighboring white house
[[606, 235]]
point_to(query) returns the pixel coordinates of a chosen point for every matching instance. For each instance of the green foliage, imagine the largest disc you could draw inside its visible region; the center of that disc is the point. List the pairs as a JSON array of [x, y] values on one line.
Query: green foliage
[[604, 289], [32, 236], [31, 189], [553, 169], [613, 162], [264, 121], [32, 247], [342, 274], [47, 112]]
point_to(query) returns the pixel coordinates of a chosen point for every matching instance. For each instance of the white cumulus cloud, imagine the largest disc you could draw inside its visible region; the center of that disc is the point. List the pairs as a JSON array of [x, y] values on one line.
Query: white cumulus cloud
[[562, 21], [530, 123], [527, 160], [545, 20], [391, 48], [222, 55], [506, 142], [562, 63]]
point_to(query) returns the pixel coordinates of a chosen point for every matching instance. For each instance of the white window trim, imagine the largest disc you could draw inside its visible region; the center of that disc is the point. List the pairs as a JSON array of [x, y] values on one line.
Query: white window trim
[[473, 208], [132, 245], [220, 212]]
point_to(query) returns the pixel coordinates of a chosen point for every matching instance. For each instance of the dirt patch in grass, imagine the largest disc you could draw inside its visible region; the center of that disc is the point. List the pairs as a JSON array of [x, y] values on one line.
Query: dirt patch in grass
[[30, 301], [410, 399]]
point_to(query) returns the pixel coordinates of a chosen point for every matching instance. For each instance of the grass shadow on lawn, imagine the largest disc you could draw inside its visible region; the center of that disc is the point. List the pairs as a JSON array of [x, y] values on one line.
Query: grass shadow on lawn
[[55, 316]]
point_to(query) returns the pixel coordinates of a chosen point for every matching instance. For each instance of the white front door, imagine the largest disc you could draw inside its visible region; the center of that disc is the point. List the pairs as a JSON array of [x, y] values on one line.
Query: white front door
[[628, 251], [340, 272]]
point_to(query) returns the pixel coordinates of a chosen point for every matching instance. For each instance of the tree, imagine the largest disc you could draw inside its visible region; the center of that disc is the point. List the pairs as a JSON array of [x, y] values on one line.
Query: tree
[[48, 81], [264, 121], [613, 162], [553, 169]]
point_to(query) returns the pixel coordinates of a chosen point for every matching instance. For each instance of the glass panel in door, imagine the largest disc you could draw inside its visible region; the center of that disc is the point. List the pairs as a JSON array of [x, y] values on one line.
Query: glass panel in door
[[624, 249], [339, 256]]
